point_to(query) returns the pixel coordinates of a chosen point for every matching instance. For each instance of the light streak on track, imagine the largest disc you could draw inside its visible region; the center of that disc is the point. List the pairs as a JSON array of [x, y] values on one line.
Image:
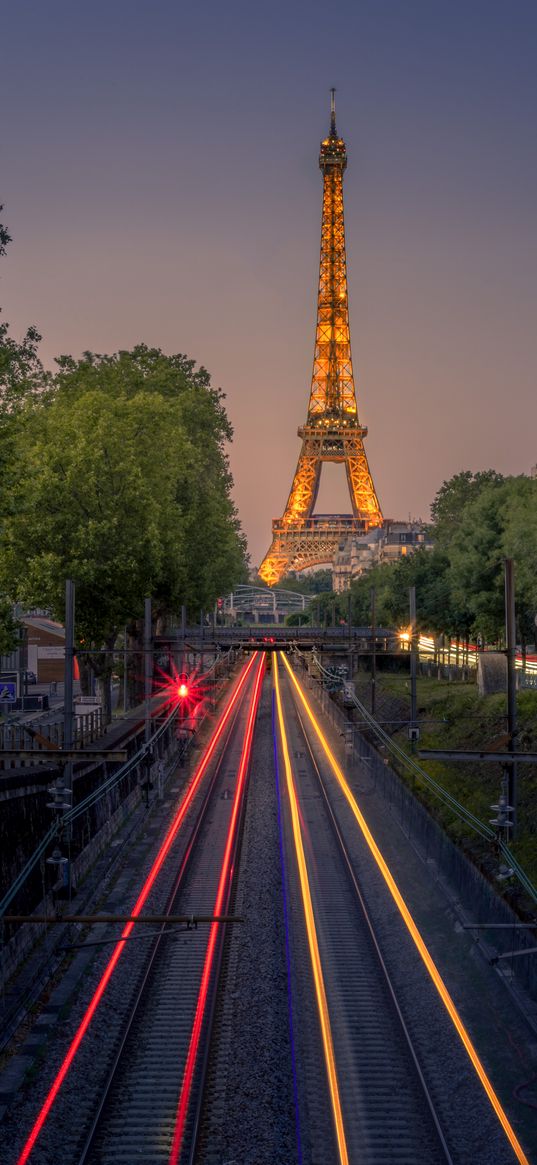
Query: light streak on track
[[320, 991], [142, 897], [226, 876], [286, 922], [412, 928]]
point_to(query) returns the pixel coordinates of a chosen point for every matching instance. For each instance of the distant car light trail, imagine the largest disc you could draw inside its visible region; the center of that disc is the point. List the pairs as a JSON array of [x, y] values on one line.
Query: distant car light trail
[[142, 897], [411, 927], [226, 875], [320, 992], [287, 938]]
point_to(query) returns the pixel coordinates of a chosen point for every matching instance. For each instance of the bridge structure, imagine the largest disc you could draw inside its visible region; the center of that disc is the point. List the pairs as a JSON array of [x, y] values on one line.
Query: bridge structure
[[262, 604], [256, 637], [332, 431]]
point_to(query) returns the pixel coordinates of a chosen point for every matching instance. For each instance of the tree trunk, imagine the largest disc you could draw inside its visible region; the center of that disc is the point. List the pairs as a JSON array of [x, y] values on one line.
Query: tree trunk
[[86, 675], [104, 692], [102, 666]]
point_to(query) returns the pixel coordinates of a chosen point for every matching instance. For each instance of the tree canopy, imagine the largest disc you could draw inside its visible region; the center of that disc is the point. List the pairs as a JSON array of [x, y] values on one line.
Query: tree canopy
[[478, 520], [114, 473], [21, 377], [123, 484]]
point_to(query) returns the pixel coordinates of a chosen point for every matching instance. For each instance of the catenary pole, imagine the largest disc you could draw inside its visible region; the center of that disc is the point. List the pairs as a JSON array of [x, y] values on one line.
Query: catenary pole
[[510, 629]]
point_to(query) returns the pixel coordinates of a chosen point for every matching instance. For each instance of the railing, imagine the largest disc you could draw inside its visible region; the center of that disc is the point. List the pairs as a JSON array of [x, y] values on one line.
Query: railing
[[87, 727]]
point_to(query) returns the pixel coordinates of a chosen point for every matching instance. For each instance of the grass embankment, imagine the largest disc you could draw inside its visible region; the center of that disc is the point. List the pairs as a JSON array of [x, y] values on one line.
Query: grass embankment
[[453, 715]]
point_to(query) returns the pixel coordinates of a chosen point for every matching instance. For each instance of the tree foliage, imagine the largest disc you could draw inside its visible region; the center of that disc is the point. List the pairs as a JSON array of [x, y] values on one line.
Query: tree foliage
[[453, 497], [21, 377], [122, 483], [313, 583], [479, 520], [427, 571]]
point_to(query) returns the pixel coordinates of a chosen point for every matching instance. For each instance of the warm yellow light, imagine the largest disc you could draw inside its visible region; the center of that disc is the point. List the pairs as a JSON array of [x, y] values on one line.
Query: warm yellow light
[[404, 636], [412, 929], [328, 1046]]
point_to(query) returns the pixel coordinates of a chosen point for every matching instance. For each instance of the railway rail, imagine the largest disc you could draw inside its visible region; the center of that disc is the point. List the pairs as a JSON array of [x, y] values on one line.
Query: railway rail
[[376, 1099], [169, 1020], [362, 1091], [382, 1109], [150, 1105]]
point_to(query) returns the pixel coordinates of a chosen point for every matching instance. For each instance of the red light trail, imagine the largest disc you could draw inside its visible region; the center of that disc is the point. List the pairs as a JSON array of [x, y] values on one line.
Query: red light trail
[[224, 885], [142, 897]]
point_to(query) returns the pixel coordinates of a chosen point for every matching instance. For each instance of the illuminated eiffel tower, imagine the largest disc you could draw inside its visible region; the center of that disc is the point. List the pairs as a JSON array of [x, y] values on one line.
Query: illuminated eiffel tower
[[332, 431]]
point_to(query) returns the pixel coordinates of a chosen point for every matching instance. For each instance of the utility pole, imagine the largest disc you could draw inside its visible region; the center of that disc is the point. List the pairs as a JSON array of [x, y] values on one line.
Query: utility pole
[[68, 672], [373, 650], [510, 634], [125, 673], [148, 669], [413, 666], [349, 621], [68, 709], [148, 684]]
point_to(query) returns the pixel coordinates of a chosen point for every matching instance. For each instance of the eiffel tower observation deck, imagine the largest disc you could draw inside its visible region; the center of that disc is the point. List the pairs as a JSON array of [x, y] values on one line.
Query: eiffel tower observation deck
[[332, 431]]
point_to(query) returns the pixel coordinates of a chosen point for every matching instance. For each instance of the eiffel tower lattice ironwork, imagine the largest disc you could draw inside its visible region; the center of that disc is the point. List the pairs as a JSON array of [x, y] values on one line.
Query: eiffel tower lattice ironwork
[[332, 431]]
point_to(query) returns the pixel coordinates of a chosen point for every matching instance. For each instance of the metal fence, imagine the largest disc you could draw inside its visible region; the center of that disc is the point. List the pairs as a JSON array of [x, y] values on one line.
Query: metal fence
[[88, 726]]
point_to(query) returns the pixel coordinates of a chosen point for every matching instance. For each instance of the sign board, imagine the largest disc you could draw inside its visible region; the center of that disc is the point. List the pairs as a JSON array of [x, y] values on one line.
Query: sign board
[[51, 652], [8, 691]]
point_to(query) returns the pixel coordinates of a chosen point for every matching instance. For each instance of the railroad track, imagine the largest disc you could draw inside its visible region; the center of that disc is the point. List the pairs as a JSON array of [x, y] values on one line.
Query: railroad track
[[155, 1072], [386, 1111]]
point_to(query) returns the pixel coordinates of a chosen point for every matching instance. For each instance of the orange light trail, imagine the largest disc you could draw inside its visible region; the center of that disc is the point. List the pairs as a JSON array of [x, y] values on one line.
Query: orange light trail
[[412, 928], [320, 992], [120, 946], [224, 885]]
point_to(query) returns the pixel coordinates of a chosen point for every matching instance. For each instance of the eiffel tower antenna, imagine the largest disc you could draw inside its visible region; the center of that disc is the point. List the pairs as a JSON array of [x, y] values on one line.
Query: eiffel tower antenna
[[332, 431], [333, 133]]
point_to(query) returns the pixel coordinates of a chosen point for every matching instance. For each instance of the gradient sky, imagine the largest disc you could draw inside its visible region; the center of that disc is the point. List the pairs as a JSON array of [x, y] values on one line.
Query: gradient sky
[[160, 179]]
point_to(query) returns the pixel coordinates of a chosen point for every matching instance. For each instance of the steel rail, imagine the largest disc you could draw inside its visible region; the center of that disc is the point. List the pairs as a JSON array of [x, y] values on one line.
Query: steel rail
[[170, 836], [355, 889], [409, 922], [196, 1119], [151, 966], [206, 1007]]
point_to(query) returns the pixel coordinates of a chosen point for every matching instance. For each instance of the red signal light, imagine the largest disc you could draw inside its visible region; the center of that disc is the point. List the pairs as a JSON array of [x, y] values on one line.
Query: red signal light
[[182, 691]]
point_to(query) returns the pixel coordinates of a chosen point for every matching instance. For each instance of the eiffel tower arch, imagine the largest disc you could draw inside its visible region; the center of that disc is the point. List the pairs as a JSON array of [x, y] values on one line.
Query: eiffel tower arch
[[332, 431]]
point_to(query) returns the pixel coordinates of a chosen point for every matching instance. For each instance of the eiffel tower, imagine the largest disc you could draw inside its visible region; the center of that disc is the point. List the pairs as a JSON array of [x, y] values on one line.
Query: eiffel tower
[[332, 431]]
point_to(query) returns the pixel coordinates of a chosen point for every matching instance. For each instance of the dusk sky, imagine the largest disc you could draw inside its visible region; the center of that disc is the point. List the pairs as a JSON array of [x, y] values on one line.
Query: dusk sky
[[159, 170]]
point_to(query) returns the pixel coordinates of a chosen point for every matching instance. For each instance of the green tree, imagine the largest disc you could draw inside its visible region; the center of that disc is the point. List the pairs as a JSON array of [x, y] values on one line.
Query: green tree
[[21, 377], [315, 583], [520, 543], [125, 489], [216, 545], [21, 374], [8, 627], [452, 498], [476, 555], [94, 503]]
